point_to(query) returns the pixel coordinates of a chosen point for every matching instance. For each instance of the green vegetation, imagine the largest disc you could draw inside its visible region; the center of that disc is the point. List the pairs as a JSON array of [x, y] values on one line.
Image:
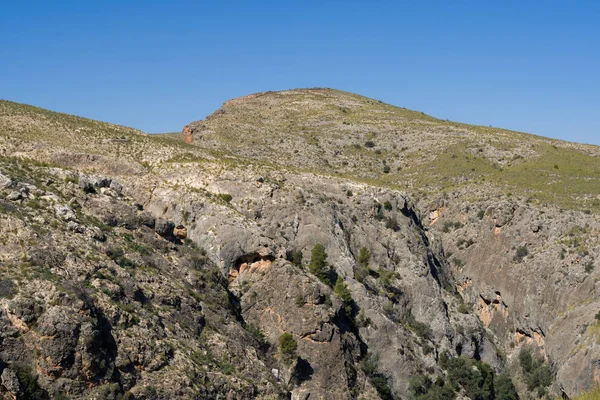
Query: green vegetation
[[449, 225], [288, 347], [420, 329], [318, 263], [589, 266], [421, 387], [593, 394], [341, 290], [536, 373], [295, 257], [364, 256], [476, 378], [226, 197], [522, 252], [369, 366], [28, 381], [258, 335], [362, 264]]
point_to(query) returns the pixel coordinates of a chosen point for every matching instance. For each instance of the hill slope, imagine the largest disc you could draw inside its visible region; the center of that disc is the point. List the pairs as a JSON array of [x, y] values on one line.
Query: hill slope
[[334, 132], [468, 253]]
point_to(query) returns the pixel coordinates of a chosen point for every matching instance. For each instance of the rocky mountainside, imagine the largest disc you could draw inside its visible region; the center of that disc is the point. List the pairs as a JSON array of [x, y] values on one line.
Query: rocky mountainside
[[306, 244]]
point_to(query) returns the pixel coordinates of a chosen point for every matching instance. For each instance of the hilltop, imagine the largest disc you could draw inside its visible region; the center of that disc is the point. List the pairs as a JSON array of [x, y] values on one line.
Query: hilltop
[[304, 243], [333, 132]]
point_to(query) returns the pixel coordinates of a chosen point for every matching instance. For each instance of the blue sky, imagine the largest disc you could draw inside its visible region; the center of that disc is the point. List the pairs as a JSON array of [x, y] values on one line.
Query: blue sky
[[530, 66]]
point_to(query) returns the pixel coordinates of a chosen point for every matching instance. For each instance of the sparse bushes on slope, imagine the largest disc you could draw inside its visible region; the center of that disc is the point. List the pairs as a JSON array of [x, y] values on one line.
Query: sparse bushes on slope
[[536, 373], [476, 378], [369, 367]]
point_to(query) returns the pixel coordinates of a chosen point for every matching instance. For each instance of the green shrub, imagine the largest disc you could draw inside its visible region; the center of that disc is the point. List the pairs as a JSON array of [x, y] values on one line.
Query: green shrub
[[288, 346], [226, 197], [258, 335], [589, 266], [369, 144], [369, 366], [295, 257], [392, 223], [341, 290], [318, 263], [526, 360], [522, 252], [72, 179], [419, 328], [300, 300], [364, 256], [28, 381], [462, 308], [536, 373]]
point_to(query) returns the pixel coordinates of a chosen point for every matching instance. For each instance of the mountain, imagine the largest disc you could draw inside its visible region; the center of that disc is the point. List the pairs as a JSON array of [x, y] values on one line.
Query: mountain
[[302, 244]]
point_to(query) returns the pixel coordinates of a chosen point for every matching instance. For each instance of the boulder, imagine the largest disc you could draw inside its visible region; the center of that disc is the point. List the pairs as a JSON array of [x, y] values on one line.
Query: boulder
[[10, 381], [5, 181], [180, 232]]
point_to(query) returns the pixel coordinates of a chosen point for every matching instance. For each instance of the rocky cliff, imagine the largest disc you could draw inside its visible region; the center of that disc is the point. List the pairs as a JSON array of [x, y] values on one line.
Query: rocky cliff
[[304, 244]]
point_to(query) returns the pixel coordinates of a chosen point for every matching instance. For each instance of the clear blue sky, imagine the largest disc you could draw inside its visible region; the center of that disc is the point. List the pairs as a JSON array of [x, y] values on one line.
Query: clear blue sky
[[156, 66]]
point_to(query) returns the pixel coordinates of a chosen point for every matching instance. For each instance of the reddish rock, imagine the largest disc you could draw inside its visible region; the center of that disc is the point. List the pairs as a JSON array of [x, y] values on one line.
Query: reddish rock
[[180, 232], [187, 133]]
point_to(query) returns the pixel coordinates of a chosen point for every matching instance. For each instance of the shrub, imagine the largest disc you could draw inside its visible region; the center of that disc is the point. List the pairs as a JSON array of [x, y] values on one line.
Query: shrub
[[387, 205], [28, 381], [419, 328], [318, 263], [341, 290], [258, 335], [462, 308], [522, 252], [537, 374], [369, 366], [288, 346], [369, 144], [392, 223], [295, 257], [299, 300], [589, 266], [226, 197], [364, 256], [386, 169], [480, 214]]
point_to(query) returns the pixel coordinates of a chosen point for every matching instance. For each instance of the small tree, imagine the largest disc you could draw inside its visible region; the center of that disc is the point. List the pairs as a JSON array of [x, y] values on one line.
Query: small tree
[[288, 346], [318, 262], [341, 290], [364, 256]]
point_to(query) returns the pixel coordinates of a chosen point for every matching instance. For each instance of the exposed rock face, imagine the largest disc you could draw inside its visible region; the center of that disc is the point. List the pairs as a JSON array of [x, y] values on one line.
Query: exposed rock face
[[187, 134]]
